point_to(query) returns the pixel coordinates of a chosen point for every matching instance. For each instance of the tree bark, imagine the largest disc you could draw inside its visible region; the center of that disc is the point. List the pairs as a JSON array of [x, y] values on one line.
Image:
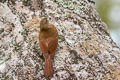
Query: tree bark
[[86, 50]]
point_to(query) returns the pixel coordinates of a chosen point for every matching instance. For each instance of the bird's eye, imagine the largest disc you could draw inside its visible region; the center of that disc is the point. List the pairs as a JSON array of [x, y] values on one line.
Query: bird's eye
[[46, 20]]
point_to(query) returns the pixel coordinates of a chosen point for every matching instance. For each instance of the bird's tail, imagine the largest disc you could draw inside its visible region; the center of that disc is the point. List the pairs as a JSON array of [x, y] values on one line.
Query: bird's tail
[[48, 68]]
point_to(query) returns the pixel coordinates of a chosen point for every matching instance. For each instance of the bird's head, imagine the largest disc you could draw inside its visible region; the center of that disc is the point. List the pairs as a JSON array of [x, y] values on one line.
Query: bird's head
[[44, 23]]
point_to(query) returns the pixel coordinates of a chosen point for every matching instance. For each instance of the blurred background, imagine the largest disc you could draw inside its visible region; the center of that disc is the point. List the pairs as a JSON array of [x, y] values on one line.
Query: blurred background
[[109, 11]]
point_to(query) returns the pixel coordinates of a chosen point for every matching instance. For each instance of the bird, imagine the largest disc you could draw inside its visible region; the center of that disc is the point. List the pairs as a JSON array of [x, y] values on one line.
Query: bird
[[48, 39]]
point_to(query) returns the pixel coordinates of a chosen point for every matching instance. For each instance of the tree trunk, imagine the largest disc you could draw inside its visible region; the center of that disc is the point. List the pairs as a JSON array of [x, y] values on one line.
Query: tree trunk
[[86, 50]]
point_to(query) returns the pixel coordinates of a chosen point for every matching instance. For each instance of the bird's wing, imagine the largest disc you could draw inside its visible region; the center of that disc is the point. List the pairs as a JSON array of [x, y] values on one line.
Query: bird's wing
[[53, 43], [44, 45]]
